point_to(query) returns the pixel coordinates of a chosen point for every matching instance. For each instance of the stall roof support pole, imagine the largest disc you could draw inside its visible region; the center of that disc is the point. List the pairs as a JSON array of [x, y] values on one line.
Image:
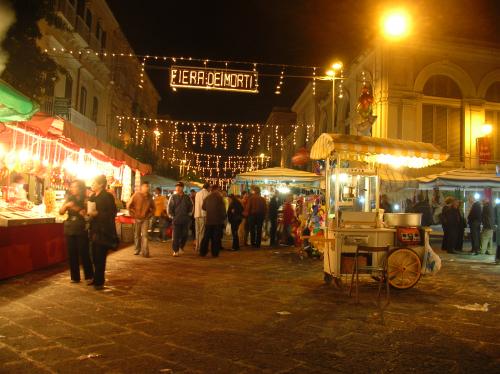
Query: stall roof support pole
[[327, 192], [337, 190]]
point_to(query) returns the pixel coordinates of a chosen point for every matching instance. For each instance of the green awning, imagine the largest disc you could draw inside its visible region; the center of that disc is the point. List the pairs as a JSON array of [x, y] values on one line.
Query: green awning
[[14, 106]]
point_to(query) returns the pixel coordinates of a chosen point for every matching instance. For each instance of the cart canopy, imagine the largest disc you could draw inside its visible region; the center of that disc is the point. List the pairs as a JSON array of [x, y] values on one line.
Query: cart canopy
[[392, 152], [279, 174], [462, 178]]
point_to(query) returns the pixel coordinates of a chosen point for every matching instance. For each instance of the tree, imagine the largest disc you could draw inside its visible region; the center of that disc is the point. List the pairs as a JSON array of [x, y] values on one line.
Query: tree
[[29, 69]]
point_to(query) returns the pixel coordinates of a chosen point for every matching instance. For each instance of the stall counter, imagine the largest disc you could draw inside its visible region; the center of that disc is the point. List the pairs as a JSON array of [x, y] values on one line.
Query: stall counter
[[30, 247]]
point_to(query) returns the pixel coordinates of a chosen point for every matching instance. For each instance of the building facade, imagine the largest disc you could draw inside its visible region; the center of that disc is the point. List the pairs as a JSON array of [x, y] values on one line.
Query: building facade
[[436, 91], [95, 86]]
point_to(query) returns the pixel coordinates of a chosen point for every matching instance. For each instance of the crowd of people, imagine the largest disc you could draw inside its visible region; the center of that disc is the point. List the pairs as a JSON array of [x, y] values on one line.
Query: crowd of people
[[91, 232]]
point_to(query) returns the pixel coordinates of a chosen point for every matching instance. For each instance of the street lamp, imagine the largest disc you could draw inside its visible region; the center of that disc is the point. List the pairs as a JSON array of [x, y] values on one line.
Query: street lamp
[[331, 75], [396, 24], [486, 129]]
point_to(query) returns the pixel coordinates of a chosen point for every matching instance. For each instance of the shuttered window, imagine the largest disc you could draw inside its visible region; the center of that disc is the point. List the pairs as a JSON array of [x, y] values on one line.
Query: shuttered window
[[442, 126]]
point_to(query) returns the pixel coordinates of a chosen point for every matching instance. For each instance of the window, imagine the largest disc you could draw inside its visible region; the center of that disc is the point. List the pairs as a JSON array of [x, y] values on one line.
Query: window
[[493, 93], [88, 18], [442, 86], [98, 30], [83, 100], [95, 109], [80, 7], [442, 126], [103, 39], [68, 87]]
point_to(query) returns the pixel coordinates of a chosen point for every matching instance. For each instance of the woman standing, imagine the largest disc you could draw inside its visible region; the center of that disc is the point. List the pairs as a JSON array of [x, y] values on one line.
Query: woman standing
[[76, 232], [235, 216], [102, 210]]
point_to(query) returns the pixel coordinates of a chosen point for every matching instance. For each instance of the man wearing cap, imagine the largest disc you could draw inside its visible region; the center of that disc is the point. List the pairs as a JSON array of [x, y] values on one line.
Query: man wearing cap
[[180, 209]]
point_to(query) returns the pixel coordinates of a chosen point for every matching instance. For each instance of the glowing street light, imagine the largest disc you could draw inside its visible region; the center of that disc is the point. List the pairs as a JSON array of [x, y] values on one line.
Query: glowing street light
[[486, 129], [396, 24]]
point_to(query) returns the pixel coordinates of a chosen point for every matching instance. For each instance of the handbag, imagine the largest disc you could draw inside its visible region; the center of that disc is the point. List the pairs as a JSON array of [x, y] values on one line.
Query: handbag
[[74, 225]]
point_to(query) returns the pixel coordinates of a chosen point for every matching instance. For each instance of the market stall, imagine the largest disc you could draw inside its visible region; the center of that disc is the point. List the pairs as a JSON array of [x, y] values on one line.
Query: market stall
[[37, 164], [354, 216]]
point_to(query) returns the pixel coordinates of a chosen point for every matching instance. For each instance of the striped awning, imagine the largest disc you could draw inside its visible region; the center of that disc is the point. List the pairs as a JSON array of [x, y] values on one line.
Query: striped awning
[[460, 178], [392, 152], [278, 174]]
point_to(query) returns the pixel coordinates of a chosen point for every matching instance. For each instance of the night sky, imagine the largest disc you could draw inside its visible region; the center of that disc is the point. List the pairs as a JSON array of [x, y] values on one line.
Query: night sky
[[302, 32]]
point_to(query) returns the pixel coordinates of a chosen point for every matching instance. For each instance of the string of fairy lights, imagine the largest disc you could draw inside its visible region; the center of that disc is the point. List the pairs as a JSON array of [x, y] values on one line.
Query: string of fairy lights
[[175, 139]]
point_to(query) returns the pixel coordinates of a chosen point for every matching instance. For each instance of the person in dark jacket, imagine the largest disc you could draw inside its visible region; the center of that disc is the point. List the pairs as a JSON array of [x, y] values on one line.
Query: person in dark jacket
[[216, 217], [450, 219], [474, 221], [76, 232], [235, 216], [488, 221], [274, 206], [497, 220], [256, 211], [423, 207], [180, 209], [102, 228], [461, 228]]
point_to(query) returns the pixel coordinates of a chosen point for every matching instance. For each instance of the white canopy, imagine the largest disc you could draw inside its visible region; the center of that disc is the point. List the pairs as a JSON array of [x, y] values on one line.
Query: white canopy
[[461, 178], [278, 174]]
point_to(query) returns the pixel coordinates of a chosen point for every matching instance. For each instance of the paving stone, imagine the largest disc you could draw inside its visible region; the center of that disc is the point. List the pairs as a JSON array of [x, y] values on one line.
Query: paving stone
[[22, 367], [194, 315]]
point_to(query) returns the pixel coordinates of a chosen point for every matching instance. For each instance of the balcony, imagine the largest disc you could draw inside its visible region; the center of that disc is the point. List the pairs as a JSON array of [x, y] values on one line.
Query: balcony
[[82, 122], [67, 11]]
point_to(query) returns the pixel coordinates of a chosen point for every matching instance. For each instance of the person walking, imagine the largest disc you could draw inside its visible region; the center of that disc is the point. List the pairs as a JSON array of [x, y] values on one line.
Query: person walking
[[75, 231], [200, 215], [141, 208], [256, 212], [488, 221], [180, 209], [102, 212], [288, 219], [159, 218], [274, 207], [235, 216], [474, 220], [450, 220], [216, 217]]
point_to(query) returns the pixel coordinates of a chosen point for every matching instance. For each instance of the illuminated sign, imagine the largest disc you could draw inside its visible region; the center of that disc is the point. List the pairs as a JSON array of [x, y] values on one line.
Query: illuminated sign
[[484, 150], [214, 79]]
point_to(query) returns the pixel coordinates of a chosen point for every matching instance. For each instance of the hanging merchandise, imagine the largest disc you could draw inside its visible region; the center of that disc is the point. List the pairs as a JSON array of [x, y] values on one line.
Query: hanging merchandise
[[365, 110]]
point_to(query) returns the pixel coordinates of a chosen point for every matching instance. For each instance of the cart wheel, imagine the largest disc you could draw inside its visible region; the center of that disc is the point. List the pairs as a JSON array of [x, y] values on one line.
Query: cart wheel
[[403, 268], [328, 278]]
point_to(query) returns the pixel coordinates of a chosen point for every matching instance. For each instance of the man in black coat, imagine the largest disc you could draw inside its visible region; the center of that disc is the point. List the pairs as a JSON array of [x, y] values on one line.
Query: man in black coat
[[474, 220], [215, 220], [274, 206]]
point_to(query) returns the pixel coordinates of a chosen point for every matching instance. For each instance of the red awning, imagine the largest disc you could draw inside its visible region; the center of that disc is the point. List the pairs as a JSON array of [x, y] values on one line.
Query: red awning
[[88, 141]]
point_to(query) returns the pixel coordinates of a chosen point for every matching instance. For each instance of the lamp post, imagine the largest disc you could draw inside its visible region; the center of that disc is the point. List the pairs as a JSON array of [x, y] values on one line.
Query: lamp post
[[332, 76]]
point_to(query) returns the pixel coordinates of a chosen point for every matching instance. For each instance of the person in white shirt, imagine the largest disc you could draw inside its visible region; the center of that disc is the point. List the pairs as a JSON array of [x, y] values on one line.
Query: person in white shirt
[[200, 215]]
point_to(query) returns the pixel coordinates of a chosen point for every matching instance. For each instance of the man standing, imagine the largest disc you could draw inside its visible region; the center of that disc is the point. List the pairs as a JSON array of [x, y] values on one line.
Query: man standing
[[141, 208], [497, 219], [256, 210], [192, 227], [215, 219], [474, 220], [200, 215], [273, 218], [160, 213], [488, 221], [180, 209]]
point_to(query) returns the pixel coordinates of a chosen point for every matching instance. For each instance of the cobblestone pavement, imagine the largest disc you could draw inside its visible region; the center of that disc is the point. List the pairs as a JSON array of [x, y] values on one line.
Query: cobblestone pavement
[[204, 315]]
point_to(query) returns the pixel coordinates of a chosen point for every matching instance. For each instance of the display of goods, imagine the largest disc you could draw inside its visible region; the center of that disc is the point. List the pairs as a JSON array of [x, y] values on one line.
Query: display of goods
[[49, 199]]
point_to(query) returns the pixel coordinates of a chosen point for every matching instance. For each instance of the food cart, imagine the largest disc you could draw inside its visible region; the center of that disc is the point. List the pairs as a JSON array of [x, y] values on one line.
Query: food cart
[[354, 216]]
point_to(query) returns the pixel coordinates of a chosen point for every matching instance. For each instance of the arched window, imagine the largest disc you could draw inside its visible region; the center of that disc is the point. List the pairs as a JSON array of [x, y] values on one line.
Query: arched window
[[442, 122], [442, 86], [95, 109], [83, 100], [493, 93]]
